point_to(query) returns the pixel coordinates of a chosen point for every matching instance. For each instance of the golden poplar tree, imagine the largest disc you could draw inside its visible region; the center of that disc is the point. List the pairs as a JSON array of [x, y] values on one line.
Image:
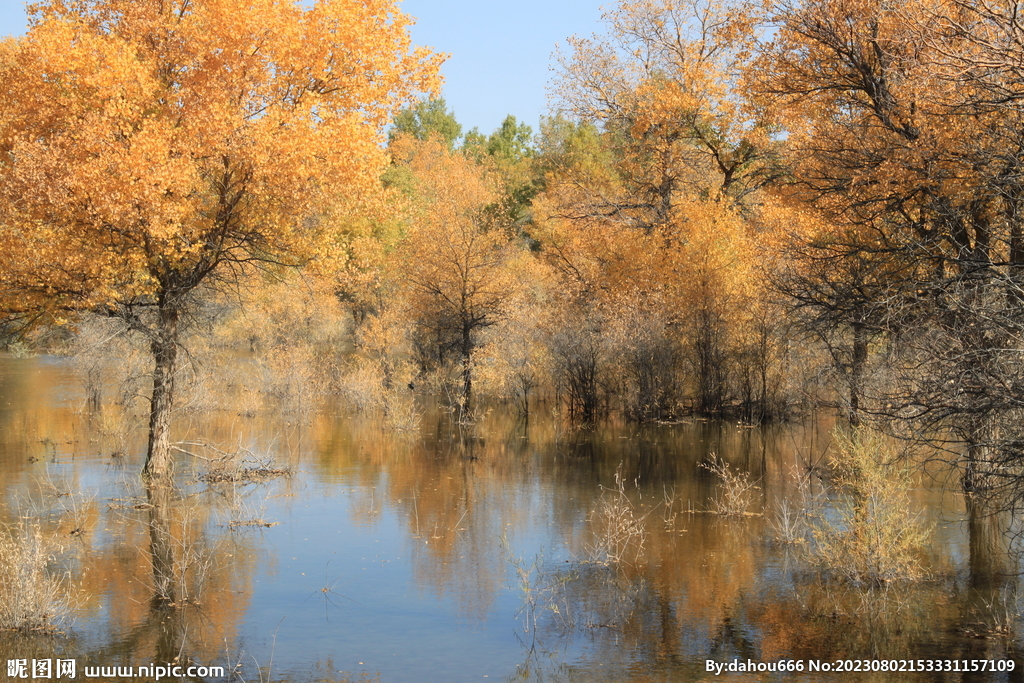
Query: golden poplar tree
[[649, 197], [904, 134], [455, 260], [148, 147]]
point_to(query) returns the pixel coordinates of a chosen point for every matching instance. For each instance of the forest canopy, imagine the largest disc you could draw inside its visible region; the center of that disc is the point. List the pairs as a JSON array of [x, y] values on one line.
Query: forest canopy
[[732, 211]]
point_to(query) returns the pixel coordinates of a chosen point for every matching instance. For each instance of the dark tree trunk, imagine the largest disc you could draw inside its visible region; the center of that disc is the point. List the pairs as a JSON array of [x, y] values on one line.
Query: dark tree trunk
[[161, 547], [858, 361], [467, 370], [164, 346], [989, 559], [1016, 288], [711, 360]]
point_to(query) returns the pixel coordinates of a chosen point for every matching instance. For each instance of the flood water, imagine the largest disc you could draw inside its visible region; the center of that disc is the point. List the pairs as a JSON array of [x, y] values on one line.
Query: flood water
[[452, 553]]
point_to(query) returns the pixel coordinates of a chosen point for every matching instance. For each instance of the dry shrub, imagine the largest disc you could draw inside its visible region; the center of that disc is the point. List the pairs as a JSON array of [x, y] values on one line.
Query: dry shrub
[[791, 521], [542, 590], [20, 349], [382, 374], [276, 342], [221, 382], [618, 526], [32, 598], [874, 535], [237, 464], [386, 385], [789, 525], [361, 386], [117, 430], [112, 362], [294, 377], [399, 401], [183, 560], [244, 512], [646, 354], [513, 362], [737, 491], [183, 580], [400, 411]]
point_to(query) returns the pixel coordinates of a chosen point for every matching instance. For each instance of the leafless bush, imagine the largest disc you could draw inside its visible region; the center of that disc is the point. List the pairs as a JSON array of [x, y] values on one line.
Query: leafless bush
[[671, 510], [108, 356], [736, 492], [32, 597], [542, 591], [401, 413], [182, 557], [367, 385], [791, 523], [578, 355], [20, 349], [645, 352], [361, 385], [788, 526], [998, 616], [618, 526], [244, 514], [240, 464]]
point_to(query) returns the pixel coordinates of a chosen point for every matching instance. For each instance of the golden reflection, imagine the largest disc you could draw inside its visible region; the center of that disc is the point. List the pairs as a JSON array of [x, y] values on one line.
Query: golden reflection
[[167, 592], [163, 576], [152, 569]]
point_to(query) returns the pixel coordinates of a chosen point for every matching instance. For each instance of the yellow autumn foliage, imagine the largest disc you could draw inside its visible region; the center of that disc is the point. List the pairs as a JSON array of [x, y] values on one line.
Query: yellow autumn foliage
[[147, 139]]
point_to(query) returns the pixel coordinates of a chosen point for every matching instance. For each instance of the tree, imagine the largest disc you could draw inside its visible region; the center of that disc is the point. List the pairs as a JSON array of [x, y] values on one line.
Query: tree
[[906, 137], [426, 118], [973, 351], [148, 148], [512, 140], [455, 261], [835, 285], [650, 192], [659, 85], [509, 151]]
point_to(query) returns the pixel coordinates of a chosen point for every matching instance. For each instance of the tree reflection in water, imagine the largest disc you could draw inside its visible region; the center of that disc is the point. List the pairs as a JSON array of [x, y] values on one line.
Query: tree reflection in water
[[164, 576], [658, 621]]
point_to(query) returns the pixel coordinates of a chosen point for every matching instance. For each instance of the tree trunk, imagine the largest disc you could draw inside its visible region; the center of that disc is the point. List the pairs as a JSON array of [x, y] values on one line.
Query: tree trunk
[[1016, 288], [988, 559], [161, 547], [165, 354], [982, 459], [525, 384], [857, 364], [467, 370]]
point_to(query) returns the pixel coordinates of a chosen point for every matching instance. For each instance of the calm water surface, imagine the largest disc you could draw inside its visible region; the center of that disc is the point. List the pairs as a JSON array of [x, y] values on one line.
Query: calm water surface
[[457, 553]]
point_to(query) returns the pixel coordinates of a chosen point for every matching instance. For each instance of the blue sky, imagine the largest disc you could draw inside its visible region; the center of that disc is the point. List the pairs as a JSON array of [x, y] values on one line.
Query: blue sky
[[500, 50]]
